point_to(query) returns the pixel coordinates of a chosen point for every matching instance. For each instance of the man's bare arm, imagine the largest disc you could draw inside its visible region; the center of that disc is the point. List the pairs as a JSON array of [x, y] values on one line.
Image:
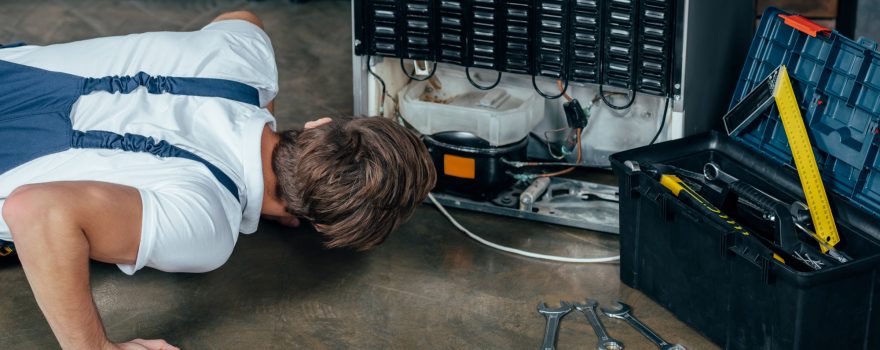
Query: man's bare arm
[[56, 228]]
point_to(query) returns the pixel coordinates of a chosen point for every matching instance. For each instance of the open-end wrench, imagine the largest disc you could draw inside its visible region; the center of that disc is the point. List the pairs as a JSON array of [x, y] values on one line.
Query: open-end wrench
[[553, 316], [606, 342], [623, 313]]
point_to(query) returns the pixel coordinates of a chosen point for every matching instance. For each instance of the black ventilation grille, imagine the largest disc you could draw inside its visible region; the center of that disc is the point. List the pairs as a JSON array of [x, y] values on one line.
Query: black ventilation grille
[[586, 41], [621, 43]]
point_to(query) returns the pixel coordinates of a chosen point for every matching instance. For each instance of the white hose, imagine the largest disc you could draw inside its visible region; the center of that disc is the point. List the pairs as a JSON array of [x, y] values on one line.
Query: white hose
[[518, 251]]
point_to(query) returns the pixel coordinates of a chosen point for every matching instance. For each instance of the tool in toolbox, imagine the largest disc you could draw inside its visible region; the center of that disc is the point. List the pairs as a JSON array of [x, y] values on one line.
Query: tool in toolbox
[[624, 312], [777, 87], [554, 317], [788, 219], [749, 246], [606, 342]]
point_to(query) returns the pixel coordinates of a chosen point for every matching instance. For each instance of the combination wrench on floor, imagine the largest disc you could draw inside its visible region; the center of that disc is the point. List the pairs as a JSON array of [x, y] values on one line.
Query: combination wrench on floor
[[553, 316], [623, 313], [606, 342]]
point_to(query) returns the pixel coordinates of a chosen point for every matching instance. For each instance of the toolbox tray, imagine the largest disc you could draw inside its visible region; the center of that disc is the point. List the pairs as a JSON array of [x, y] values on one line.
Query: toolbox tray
[[681, 259]]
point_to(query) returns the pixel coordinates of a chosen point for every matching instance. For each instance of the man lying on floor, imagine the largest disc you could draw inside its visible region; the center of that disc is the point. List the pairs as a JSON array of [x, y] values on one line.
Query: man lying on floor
[[157, 149]]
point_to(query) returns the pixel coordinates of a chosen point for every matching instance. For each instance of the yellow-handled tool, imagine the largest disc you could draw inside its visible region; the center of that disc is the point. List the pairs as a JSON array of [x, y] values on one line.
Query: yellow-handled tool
[[687, 195]]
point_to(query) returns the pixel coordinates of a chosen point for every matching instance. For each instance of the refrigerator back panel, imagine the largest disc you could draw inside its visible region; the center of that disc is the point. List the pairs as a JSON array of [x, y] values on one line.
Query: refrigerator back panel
[[621, 43]]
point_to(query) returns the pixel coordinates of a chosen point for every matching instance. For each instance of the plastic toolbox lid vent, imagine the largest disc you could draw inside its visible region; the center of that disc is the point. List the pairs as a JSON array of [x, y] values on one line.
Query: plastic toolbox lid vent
[[838, 83]]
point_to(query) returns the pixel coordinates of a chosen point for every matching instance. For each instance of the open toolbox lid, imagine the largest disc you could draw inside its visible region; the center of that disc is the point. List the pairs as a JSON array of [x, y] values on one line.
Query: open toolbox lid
[[837, 82]]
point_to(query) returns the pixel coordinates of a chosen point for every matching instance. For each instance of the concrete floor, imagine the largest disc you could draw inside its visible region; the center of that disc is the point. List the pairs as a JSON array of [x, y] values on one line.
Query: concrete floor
[[427, 287]]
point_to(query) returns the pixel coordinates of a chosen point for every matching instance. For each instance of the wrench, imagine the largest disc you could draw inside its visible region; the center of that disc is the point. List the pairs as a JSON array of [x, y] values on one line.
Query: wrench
[[553, 316], [623, 313], [606, 342]]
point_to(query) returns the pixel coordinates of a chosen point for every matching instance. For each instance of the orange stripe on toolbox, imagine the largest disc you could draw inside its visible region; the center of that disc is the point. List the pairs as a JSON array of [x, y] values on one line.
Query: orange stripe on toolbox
[[459, 166]]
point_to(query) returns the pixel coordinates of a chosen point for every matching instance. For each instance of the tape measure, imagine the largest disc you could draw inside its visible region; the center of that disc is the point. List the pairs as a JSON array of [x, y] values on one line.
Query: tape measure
[[804, 159]]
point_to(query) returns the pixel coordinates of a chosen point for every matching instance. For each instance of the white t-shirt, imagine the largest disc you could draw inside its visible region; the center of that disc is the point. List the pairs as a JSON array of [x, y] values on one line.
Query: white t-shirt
[[190, 221]]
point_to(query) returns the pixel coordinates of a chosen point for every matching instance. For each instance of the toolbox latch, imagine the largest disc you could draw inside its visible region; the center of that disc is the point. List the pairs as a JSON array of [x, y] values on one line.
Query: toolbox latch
[[870, 44], [733, 241], [804, 25], [666, 210]]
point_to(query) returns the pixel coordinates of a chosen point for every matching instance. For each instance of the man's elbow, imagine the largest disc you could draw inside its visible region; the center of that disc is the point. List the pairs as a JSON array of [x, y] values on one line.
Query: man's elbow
[[31, 205], [19, 205]]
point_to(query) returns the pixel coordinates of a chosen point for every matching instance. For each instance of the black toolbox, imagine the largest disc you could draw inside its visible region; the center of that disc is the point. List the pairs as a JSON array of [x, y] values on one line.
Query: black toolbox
[[686, 262]]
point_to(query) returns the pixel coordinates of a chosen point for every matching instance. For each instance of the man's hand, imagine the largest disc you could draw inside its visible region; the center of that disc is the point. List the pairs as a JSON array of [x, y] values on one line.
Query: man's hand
[[317, 123], [141, 344]]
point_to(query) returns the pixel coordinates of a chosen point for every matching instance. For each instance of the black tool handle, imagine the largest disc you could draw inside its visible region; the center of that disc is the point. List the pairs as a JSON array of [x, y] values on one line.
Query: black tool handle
[[763, 201]]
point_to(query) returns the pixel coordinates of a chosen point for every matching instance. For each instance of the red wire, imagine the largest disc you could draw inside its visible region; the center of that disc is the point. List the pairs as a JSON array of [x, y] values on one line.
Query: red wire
[[562, 89]]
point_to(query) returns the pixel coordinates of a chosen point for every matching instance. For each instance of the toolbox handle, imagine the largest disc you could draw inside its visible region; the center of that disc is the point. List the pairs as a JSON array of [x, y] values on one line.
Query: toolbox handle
[[805, 25]]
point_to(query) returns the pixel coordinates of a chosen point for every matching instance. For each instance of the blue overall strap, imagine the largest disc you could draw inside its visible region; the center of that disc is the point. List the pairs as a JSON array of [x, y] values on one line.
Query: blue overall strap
[[140, 143], [11, 45], [34, 113], [206, 87], [35, 107]]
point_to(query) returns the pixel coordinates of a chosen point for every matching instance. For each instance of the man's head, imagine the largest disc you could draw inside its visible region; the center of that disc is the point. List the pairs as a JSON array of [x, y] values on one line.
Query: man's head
[[355, 179]]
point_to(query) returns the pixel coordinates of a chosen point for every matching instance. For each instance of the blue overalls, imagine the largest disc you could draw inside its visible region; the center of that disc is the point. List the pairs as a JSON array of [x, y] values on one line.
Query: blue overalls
[[35, 106]]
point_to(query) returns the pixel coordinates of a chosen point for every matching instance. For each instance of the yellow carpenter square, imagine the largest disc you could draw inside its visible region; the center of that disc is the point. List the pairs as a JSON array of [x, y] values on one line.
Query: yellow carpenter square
[[804, 159]]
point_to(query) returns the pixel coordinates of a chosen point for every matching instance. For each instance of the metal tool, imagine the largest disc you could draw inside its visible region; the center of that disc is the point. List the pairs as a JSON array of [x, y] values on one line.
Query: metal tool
[[623, 313], [528, 197], [712, 171], [565, 201], [748, 246], [606, 342], [778, 211], [553, 316]]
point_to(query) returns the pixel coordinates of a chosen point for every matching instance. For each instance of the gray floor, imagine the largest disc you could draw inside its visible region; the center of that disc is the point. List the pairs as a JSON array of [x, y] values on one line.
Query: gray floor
[[427, 287]]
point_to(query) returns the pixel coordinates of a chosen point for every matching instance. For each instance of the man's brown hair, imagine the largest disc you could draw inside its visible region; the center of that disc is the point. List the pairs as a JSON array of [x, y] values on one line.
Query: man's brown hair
[[358, 178]]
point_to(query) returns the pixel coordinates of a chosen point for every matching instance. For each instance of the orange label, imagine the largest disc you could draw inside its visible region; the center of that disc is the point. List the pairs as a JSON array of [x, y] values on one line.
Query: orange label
[[459, 166]]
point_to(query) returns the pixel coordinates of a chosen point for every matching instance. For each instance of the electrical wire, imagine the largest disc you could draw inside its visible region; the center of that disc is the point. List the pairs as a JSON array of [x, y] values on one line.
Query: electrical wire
[[561, 149], [408, 75], [467, 73], [518, 251], [662, 122], [517, 164], [562, 89], [382, 82], [613, 106], [568, 170], [538, 90]]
